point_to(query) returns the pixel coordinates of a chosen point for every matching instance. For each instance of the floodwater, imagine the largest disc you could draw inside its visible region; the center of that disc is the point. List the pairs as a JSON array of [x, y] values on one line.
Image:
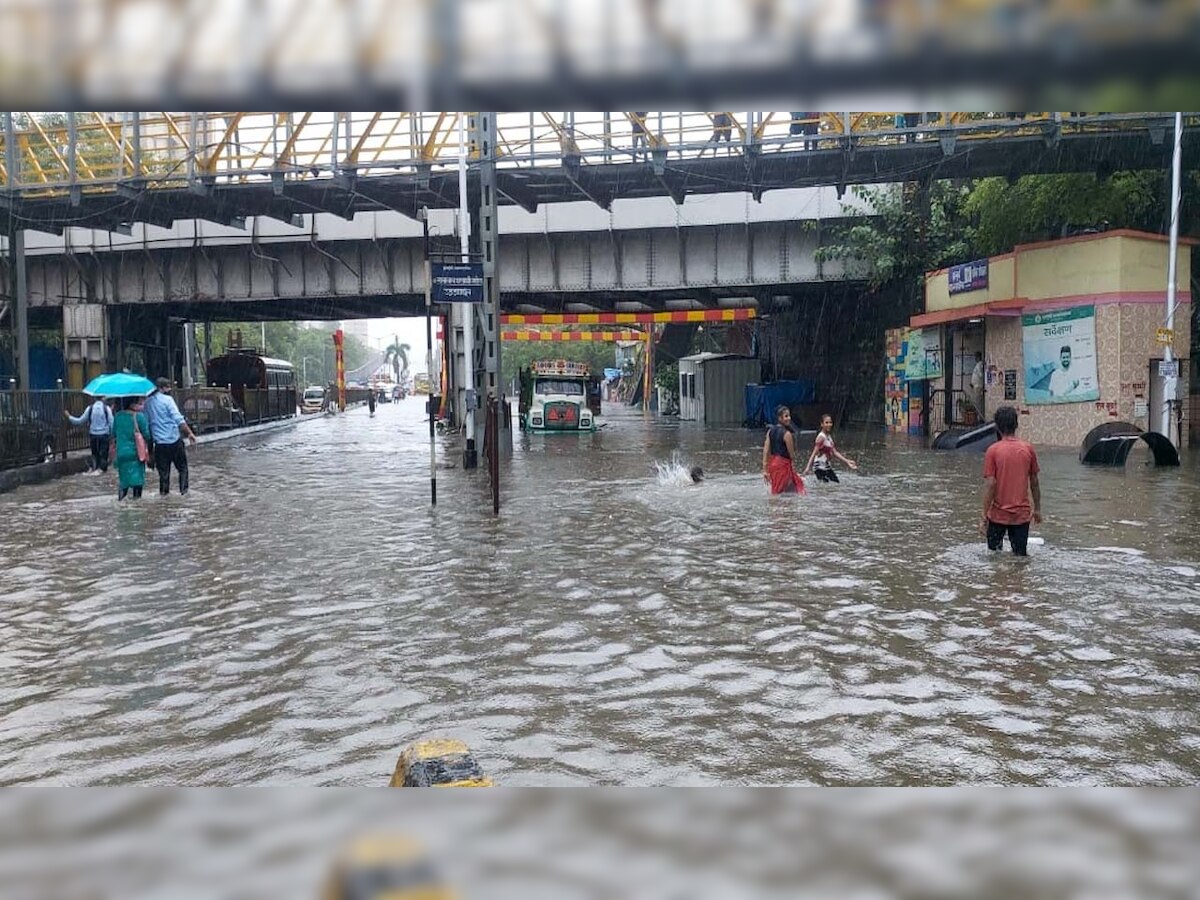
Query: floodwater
[[303, 614]]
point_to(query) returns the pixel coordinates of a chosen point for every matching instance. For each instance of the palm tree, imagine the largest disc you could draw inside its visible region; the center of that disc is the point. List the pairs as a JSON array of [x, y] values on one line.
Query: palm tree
[[397, 355]]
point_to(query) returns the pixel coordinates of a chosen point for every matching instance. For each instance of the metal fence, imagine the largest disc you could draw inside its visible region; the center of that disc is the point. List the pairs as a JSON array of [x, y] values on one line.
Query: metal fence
[[209, 409], [33, 428]]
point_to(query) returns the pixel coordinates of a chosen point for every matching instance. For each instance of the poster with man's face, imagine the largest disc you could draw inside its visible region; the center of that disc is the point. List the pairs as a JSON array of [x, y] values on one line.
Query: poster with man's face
[[1060, 356]]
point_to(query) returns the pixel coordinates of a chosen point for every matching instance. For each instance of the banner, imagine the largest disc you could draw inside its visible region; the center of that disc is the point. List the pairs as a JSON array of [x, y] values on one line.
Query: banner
[[972, 276], [1060, 356], [924, 358]]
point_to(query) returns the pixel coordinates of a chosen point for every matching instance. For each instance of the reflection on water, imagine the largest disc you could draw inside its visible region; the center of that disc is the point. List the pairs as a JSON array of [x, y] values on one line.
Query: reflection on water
[[303, 614]]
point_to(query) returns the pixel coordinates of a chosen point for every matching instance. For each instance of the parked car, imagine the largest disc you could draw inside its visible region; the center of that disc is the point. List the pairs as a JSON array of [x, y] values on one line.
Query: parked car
[[25, 435], [211, 409], [313, 400]]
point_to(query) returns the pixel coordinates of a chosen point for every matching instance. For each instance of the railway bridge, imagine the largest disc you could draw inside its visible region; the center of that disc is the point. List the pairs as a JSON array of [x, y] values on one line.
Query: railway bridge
[[128, 226]]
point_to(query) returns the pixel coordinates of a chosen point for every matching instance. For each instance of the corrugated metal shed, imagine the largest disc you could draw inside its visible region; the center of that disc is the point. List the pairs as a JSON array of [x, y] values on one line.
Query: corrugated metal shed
[[712, 387]]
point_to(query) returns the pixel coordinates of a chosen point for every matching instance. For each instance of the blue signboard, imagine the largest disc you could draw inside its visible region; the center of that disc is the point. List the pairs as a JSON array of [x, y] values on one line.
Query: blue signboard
[[969, 276], [457, 282]]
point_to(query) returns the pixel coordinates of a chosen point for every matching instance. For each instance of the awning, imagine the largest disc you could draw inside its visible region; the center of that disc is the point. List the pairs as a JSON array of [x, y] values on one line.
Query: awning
[[1010, 307]]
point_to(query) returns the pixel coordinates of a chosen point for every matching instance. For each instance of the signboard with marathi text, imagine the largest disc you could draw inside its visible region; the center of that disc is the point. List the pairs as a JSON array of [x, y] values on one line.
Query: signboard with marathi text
[[456, 282], [563, 367], [924, 358], [972, 276], [1060, 355]]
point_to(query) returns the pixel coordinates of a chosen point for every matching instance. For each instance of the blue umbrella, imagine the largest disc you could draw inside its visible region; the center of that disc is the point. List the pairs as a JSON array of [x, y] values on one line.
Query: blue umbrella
[[120, 384]]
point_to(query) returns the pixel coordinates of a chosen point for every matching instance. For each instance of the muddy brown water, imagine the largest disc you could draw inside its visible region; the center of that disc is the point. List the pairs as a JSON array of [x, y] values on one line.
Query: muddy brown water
[[303, 614]]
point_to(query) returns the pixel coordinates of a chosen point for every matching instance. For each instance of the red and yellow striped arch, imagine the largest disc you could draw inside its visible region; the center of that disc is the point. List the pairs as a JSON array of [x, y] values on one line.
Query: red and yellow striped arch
[[522, 335], [628, 318]]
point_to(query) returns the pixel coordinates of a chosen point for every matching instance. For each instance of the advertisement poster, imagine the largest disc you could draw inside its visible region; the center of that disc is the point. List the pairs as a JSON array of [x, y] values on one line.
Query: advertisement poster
[[924, 359], [1060, 356]]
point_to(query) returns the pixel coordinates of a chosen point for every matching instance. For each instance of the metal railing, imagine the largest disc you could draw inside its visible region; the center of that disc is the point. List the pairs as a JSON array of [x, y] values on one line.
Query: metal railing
[[33, 428], [94, 152], [210, 409]]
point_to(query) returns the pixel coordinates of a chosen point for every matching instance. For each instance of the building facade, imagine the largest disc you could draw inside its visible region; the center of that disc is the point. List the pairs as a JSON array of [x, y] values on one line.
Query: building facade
[[1070, 332]]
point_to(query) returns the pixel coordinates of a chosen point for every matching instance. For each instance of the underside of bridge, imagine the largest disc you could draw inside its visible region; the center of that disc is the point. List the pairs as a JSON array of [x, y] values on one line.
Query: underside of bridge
[[941, 154]]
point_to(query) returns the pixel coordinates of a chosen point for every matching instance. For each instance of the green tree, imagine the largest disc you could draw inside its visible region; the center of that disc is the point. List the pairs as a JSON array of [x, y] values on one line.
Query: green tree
[[397, 354], [911, 231], [1043, 207]]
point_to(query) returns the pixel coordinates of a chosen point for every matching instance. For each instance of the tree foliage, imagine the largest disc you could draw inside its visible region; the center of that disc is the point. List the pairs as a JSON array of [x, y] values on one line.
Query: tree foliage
[[397, 354], [517, 355], [893, 248], [1043, 207], [899, 243]]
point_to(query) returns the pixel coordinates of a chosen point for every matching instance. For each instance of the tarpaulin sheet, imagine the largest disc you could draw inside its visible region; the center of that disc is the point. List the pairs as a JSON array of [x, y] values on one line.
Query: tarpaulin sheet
[[761, 399]]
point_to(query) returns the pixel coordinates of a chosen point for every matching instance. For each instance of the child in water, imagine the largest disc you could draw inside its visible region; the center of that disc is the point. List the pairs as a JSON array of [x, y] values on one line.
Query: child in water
[[820, 461]]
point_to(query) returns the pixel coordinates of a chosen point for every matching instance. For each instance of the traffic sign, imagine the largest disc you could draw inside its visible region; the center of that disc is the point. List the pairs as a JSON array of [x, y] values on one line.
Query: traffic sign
[[457, 282], [1164, 335]]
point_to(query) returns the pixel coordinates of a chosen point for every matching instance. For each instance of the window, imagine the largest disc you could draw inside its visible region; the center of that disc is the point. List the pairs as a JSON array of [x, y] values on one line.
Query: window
[[558, 386]]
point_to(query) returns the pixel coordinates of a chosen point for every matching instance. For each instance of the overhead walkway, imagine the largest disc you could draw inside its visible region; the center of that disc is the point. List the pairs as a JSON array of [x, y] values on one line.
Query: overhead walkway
[[110, 170]]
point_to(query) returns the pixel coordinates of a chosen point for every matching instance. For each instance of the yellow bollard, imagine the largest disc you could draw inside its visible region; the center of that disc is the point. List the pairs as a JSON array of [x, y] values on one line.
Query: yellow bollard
[[378, 866], [442, 762]]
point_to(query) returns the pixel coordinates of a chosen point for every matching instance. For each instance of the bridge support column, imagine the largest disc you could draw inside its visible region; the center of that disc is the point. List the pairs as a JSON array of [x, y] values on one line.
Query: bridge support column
[[486, 316], [85, 343], [20, 311]]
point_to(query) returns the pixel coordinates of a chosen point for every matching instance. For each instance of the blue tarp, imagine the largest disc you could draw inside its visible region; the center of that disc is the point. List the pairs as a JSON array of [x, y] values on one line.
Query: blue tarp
[[761, 399]]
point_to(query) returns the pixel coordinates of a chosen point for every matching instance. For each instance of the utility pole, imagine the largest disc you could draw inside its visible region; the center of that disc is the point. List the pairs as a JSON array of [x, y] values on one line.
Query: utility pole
[[16, 248], [1171, 382], [470, 453], [424, 214]]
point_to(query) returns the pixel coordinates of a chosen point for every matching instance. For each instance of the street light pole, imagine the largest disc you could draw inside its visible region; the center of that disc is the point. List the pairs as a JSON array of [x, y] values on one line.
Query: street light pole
[[424, 215], [1170, 383]]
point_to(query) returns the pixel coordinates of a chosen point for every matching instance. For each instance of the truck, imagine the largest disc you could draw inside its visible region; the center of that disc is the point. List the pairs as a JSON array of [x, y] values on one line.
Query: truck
[[559, 395]]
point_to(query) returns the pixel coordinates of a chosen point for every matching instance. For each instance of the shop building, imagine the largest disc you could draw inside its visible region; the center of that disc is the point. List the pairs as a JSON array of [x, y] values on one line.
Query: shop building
[[1070, 332]]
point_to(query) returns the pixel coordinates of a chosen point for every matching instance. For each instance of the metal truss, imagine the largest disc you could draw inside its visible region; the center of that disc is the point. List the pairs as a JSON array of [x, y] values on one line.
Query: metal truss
[[121, 155]]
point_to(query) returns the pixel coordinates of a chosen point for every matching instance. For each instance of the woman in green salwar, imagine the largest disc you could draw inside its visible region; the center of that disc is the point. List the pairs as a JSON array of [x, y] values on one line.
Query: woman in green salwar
[[131, 471]]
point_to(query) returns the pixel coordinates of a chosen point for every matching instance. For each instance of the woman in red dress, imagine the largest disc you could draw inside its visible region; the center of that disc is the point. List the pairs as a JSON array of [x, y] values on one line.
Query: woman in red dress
[[779, 454]]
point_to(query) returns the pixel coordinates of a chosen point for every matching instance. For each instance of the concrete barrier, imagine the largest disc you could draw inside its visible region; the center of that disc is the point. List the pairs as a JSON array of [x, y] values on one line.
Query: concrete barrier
[[11, 479]]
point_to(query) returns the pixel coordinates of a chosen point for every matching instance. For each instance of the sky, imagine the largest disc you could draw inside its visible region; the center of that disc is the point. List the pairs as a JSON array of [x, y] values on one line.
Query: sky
[[411, 331]]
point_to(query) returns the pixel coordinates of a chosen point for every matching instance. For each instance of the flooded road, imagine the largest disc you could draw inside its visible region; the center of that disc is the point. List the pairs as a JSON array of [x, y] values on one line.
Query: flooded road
[[303, 614]]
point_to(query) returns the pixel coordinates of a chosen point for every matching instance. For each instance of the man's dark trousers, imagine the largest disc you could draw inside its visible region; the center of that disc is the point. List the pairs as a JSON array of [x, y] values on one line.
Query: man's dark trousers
[[164, 456], [99, 446]]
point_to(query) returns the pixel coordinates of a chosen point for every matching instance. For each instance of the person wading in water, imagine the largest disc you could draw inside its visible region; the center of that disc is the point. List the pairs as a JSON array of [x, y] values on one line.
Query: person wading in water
[[779, 454]]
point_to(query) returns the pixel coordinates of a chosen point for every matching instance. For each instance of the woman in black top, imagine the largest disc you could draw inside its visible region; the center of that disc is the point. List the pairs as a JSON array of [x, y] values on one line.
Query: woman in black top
[[779, 454]]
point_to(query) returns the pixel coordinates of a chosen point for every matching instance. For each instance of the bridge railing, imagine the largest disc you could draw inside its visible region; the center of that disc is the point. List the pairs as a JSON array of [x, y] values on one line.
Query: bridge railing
[[57, 153]]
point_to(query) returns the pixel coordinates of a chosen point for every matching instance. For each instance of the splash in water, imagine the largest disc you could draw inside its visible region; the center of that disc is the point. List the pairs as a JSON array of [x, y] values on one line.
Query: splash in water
[[677, 473]]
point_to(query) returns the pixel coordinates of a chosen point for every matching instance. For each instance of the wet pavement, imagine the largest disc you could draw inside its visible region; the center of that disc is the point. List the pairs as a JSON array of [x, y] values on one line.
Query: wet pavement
[[303, 614]]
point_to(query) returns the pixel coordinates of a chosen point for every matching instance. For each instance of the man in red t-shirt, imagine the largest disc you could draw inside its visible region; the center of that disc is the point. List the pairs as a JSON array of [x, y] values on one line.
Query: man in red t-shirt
[[1010, 473]]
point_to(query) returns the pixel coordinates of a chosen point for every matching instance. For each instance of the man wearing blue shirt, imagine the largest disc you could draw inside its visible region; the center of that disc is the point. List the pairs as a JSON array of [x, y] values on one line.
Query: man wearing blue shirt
[[99, 420], [166, 422]]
